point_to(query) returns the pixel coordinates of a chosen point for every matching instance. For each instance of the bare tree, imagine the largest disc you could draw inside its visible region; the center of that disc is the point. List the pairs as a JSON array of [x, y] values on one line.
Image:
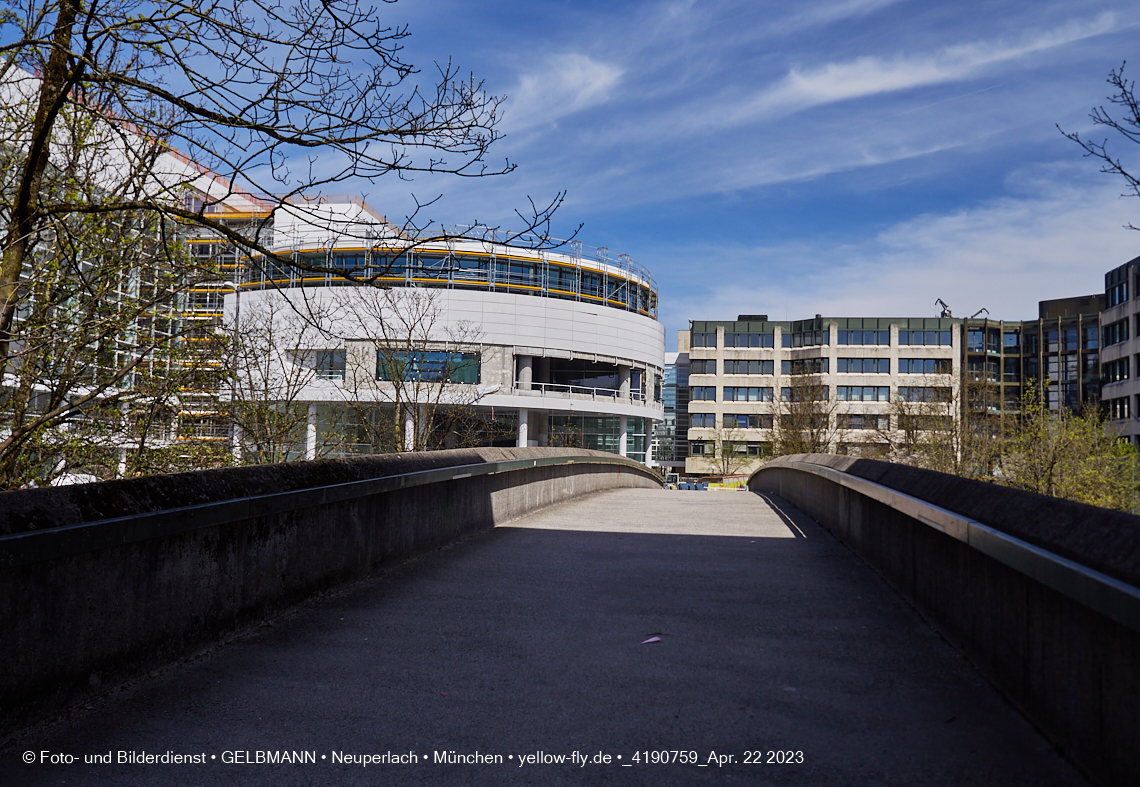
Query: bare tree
[[277, 356], [412, 380], [1123, 118], [126, 126], [805, 421]]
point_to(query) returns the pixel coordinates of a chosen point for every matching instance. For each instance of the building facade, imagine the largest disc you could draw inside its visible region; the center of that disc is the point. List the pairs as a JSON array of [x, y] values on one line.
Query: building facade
[[746, 373], [1120, 355], [539, 347]]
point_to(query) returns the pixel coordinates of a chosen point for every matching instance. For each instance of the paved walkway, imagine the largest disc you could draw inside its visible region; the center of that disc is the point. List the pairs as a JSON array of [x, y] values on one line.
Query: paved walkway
[[528, 641]]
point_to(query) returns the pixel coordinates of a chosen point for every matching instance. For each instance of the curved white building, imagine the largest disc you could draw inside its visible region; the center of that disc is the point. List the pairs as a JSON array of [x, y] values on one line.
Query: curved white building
[[550, 347]]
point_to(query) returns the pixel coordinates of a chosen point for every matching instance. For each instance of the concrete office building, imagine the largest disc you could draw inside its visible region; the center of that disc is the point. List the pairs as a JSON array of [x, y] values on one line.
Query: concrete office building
[[742, 371], [1120, 355]]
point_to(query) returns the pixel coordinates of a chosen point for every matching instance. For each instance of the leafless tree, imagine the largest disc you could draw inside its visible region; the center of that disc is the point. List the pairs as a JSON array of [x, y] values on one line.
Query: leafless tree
[[1122, 117], [126, 125], [805, 417], [412, 381]]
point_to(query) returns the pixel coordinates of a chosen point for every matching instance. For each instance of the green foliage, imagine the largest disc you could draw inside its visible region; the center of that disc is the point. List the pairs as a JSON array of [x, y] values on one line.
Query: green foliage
[[1067, 455]]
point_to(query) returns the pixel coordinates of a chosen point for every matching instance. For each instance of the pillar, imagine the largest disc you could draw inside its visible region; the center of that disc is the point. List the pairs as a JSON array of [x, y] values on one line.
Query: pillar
[[623, 426], [523, 428], [311, 433], [623, 386], [409, 428], [526, 371]]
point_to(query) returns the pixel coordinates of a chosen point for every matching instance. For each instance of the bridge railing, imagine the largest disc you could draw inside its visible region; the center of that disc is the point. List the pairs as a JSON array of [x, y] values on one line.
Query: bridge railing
[[102, 582], [1043, 595]]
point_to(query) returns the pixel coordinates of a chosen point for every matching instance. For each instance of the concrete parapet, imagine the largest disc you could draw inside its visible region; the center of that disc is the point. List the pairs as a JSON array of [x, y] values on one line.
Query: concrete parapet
[[1041, 594], [102, 582]]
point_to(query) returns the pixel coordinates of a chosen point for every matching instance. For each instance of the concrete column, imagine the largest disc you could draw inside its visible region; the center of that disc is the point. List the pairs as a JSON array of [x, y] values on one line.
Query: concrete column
[[236, 447], [623, 384], [409, 428], [523, 427], [623, 426], [542, 428], [423, 424], [526, 371], [311, 433]]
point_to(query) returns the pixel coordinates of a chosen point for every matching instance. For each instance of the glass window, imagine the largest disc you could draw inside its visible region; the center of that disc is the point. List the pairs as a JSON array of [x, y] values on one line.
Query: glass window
[[702, 420], [703, 366], [864, 365], [702, 393], [428, 366], [925, 365]]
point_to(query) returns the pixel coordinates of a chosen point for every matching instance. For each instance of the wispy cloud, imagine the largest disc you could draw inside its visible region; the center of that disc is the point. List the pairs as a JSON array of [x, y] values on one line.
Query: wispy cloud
[[1055, 240], [559, 86], [865, 76]]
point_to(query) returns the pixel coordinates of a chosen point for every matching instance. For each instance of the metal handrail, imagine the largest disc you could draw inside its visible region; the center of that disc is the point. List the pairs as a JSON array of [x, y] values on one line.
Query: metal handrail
[[605, 393]]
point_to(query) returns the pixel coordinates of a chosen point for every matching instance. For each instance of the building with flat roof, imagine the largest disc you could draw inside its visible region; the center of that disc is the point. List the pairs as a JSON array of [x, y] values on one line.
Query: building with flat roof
[[544, 347]]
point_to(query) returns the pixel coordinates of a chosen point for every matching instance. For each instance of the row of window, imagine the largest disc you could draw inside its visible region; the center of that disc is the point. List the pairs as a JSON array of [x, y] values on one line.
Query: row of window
[[820, 366], [844, 393], [1115, 333], [410, 365], [908, 422], [822, 337]]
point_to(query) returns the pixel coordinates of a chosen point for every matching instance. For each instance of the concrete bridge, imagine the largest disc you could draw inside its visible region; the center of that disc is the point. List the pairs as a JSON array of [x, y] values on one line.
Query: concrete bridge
[[603, 626]]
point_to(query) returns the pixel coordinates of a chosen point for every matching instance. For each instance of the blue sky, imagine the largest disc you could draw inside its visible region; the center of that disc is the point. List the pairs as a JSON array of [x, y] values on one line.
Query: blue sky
[[852, 157]]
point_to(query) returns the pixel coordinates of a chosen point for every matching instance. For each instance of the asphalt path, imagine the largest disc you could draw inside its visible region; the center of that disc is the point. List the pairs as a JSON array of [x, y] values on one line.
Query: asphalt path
[[722, 632]]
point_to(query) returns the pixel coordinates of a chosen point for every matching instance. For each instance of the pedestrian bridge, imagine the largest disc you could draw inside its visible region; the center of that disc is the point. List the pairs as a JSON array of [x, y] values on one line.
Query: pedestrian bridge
[[563, 621]]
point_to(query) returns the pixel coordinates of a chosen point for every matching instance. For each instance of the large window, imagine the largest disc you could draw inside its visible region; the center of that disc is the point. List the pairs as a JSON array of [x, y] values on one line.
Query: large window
[[748, 339], [864, 337], [804, 366], [925, 365], [702, 366], [863, 393], [864, 421], [703, 339], [702, 420], [702, 393], [748, 367], [864, 365], [918, 393], [428, 366], [747, 421], [1115, 333], [1115, 371], [328, 364], [742, 393], [940, 338]]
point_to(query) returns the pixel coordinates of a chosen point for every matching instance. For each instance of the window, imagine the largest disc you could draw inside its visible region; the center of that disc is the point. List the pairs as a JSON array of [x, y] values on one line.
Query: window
[[747, 394], [1092, 336], [864, 365], [702, 366], [700, 448], [1011, 342], [1118, 409], [921, 422], [327, 364], [748, 367], [941, 338], [750, 421], [805, 393], [748, 339], [865, 337], [1116, 294], [804, 366], [428, 366], [923, 394], [747, 449], [1115, 333], [704, 340], [702, 420], [863, 393], [703, 393], [864, 421], [1115, 371], [925, 365]]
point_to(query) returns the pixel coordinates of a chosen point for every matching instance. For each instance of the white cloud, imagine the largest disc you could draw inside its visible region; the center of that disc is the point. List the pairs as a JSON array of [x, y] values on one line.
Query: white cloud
[[560, 86], [1056, 240], [865, 76]]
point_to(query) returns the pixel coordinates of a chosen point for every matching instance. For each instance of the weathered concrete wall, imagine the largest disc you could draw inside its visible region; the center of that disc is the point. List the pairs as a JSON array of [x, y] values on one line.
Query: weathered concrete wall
[[179, 561], [1073, 671]]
